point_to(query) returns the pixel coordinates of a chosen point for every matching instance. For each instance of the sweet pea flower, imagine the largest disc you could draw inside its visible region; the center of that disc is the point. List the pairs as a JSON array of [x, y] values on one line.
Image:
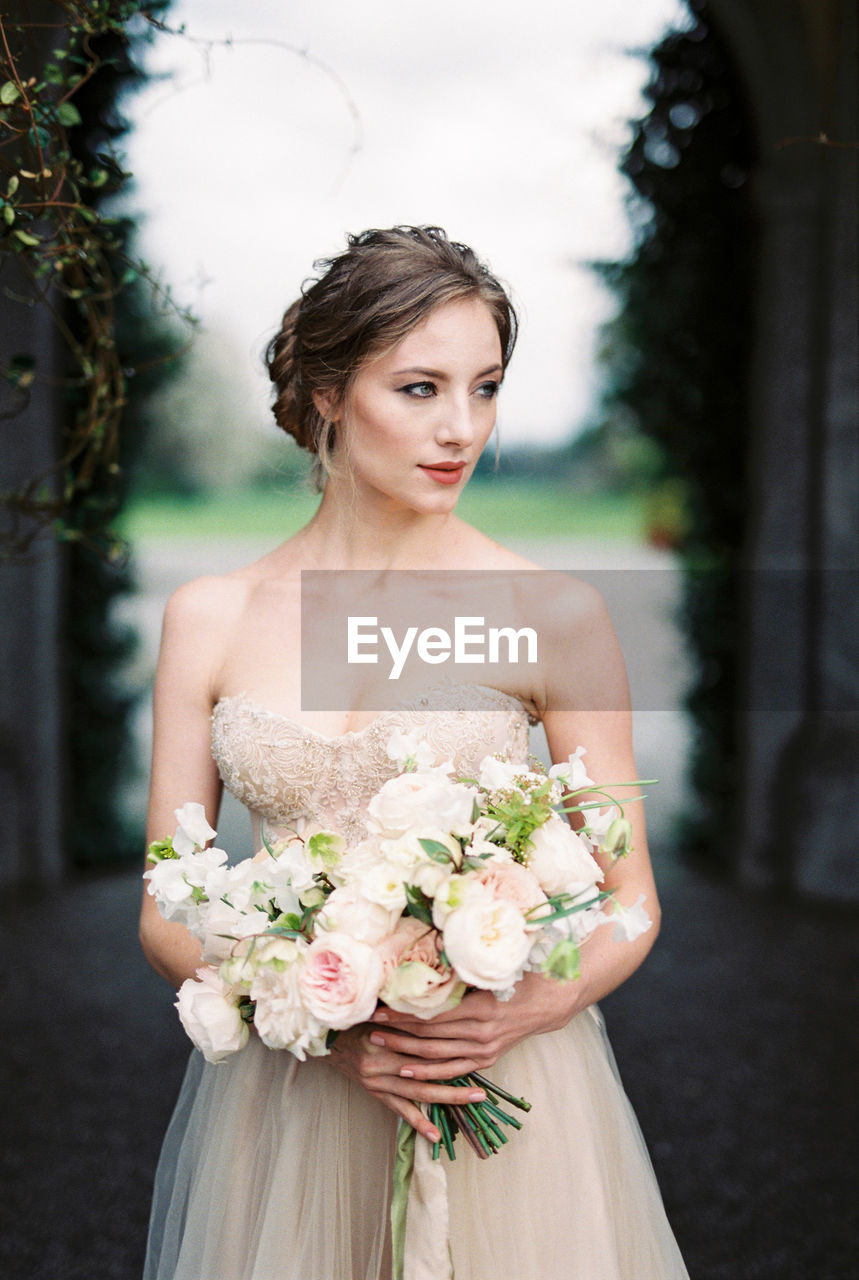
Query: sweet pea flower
[[193, 830], [629, 922], [410, 750], [571, 772]]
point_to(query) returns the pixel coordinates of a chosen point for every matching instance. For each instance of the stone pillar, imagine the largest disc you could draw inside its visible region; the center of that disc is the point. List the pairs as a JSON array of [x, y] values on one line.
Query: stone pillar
[[800, 706]]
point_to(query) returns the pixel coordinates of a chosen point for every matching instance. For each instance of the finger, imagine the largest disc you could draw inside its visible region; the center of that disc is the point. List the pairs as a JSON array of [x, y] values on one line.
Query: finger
[[426, 1091], [432, 1050], [441, 1070], [416, 1118]]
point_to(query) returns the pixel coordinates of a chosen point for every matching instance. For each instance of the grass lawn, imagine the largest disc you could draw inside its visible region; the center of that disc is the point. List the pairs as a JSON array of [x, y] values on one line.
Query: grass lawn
[[501, 508]]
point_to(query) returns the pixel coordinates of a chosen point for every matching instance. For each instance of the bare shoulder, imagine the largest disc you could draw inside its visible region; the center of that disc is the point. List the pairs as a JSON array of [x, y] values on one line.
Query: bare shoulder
[[210, 602]]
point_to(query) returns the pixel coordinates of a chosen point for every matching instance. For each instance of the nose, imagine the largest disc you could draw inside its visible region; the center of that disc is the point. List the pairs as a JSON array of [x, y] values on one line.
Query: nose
[[456, 425]]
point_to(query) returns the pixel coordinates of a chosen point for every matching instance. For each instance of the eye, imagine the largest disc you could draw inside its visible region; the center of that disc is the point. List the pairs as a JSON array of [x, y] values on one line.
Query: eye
[[488, 389], [419, 390]]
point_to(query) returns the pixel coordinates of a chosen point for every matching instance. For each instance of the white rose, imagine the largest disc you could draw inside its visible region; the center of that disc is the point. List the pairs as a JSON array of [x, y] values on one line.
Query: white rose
[[486, 943], [210, 1016], [340, 980], [280, 1016], [347, 910], [193, 830], [385, 884], [408, 852], [421, 799], [560, 859]]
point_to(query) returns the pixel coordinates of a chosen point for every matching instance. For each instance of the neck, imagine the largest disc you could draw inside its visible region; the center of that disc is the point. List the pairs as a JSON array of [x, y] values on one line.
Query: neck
[[349, 532]]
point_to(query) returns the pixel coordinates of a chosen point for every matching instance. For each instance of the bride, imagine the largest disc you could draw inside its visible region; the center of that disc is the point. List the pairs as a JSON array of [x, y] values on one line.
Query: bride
[[388, 369]]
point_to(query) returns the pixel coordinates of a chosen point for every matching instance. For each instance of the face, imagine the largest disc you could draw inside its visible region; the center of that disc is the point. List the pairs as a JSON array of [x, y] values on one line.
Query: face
[[416, 420]]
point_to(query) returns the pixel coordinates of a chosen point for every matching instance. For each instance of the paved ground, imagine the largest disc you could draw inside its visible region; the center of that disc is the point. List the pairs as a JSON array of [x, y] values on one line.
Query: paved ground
[[737, 1043]]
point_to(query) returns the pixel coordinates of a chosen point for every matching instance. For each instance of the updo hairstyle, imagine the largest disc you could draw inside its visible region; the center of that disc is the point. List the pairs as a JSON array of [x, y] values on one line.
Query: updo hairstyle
[[362, 304]]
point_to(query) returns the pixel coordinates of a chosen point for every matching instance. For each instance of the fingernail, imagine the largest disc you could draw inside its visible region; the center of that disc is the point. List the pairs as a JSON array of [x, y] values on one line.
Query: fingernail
[[407, 1071], [476, 1095], [434, 1135], [380, 1016], [375, 1038]]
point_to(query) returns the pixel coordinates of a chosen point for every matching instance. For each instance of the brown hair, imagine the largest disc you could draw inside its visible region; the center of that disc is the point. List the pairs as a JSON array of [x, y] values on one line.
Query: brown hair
[[362, 304]]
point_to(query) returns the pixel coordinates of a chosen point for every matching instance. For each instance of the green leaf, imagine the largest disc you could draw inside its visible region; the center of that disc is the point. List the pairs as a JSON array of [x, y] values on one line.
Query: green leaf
[[68, 114], [12, 185], [436, 850], [26, 238], [9, 92], [418, 904], [8, 215]]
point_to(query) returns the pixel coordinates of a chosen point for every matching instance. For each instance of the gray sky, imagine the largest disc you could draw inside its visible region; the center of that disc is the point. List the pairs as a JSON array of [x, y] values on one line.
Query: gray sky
[[500, 121]]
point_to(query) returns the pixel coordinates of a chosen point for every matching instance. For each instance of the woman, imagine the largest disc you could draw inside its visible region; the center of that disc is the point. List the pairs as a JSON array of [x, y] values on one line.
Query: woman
[[387, 370]]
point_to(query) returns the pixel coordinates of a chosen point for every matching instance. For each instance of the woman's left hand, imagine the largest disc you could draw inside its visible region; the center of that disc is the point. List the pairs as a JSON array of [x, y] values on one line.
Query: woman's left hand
[[477, 1032]]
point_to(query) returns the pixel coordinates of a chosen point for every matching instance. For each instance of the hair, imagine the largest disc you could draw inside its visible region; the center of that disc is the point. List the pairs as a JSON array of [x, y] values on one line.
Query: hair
[[362, 304]]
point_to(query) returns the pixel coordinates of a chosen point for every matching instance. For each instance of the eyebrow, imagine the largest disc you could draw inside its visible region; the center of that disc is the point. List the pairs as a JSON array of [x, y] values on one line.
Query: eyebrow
[[437, 373]]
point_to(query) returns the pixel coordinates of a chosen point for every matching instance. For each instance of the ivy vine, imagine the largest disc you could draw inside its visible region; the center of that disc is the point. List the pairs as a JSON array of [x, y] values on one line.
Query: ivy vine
[[56, 219]]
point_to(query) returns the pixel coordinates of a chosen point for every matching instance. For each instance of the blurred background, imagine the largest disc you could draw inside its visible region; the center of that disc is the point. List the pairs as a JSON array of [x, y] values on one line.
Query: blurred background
[[670, 188]]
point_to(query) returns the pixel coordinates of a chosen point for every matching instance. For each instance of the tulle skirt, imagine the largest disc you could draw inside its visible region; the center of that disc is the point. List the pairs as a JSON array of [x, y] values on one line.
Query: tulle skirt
[[274, 1169]]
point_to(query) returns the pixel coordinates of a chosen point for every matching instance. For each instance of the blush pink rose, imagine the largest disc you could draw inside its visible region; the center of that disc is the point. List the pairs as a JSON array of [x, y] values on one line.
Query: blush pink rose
[[509, 881], [340, 981], [417, 981]]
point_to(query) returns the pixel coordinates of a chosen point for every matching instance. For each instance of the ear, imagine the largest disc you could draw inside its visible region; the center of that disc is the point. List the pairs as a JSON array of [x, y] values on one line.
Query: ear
[[326, 404]]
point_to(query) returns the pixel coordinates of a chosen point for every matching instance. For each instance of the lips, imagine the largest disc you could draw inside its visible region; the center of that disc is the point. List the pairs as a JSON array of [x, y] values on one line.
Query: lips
[[444, 472]]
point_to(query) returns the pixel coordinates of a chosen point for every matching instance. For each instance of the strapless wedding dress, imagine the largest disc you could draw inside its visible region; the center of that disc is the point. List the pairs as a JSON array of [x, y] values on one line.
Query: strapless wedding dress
[[274, 1169]]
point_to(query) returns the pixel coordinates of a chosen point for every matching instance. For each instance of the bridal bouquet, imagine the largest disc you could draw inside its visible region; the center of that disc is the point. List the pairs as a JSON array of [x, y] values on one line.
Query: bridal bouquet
[[459, 883]]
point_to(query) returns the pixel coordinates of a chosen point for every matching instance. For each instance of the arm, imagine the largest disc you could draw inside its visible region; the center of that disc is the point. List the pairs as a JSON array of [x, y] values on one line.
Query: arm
[[182, 764], [589, 673]]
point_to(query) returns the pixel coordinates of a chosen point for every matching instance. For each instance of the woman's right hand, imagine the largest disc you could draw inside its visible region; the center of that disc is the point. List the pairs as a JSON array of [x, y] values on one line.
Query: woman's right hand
[[378, 1069]]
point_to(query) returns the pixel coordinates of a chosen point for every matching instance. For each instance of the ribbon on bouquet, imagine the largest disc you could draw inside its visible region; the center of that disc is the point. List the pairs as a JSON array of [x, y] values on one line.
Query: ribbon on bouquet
[[420, 1220]]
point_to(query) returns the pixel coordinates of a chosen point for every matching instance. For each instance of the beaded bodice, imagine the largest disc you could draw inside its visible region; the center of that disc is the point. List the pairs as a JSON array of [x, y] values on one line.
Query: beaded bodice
[[283, 771]]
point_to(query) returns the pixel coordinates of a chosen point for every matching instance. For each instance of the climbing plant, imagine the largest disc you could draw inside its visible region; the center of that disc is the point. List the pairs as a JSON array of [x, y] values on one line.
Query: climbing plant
[[63, 66]]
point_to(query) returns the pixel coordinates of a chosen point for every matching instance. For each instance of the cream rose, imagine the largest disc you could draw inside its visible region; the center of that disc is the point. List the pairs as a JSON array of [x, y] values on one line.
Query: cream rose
[[421, 799], [347, 910], [487, 943], [560, 859], [211, 1016]]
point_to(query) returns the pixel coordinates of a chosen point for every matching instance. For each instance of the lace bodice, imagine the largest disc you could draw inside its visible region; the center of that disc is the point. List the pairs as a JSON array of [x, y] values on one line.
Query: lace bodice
[[283, 771]]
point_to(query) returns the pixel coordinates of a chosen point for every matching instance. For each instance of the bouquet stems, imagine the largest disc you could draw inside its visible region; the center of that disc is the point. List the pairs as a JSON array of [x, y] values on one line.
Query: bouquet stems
[[478, 1122]]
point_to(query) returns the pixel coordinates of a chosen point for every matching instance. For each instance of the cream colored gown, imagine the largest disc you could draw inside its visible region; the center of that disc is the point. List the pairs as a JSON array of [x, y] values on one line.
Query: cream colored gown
[[273, 1169]]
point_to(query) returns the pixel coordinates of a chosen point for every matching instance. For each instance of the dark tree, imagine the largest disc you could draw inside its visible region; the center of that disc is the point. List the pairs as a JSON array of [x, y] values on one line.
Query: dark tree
[[678, 363]]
